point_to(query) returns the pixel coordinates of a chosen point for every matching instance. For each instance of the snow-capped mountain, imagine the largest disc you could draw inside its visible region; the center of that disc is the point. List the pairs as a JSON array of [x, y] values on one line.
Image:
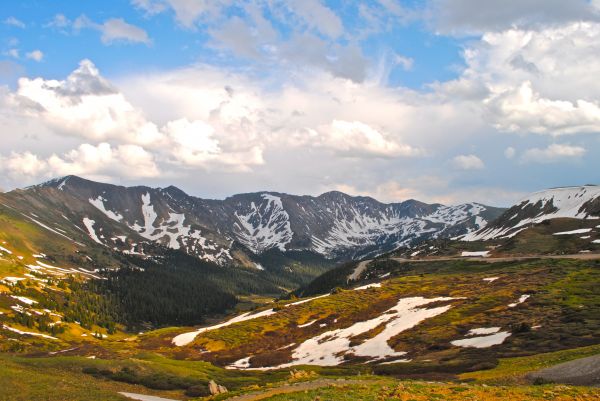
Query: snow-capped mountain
[[581, 202], [334, 224]]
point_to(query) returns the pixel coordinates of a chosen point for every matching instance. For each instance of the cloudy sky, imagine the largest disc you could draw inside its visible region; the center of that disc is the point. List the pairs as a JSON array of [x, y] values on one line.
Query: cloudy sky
[[438, 100]]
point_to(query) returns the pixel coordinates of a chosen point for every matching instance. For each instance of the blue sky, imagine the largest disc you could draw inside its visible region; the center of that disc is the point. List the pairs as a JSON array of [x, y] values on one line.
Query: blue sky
[[439, 100]]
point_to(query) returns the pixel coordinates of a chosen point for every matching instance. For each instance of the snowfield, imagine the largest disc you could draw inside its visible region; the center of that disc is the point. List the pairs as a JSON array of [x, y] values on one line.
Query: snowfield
[[329, 348]]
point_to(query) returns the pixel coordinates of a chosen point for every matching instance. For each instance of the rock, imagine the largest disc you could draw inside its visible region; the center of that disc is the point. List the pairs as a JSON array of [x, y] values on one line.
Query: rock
[[215, 388]]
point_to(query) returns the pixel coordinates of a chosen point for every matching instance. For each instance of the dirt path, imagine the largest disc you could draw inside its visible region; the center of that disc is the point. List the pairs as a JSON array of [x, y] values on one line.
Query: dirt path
[[579, 256], [580, 372], [294, 388], [360, 268]]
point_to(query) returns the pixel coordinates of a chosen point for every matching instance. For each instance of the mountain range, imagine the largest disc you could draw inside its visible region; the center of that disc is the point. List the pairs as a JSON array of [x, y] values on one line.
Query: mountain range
[[334, 225]]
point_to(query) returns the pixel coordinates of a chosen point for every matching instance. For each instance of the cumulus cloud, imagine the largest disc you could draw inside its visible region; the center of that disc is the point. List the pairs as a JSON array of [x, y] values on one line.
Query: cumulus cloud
[[534, 81], [89, 160], [468, 162], [553, 153], [354, 138], [523, 110], [36, 55], [114, 30]]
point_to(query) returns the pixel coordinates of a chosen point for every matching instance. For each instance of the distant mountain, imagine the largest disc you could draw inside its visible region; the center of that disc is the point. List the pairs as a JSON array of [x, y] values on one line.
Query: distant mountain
[[581, 202], [334, 225]]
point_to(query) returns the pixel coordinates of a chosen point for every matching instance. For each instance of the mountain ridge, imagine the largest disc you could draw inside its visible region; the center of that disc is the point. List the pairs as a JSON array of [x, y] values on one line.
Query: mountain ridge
[[332, 224]]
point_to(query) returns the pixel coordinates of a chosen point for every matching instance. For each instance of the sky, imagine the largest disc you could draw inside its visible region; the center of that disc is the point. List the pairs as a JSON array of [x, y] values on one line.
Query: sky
[[444, 101]]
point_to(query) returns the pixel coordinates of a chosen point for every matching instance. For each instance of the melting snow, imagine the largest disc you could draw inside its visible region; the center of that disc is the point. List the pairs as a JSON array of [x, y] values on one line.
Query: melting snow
[[522, 299], [186, 338], [89, 225], [364, 287], [483, 331], [306, 300], [491, 279], [596, 241], [5, 250], [482, 254], [328, 349], [99, 204], [307, 324], [25, 300], [484, 341], [27, 333], [259, 266], [580, 231]]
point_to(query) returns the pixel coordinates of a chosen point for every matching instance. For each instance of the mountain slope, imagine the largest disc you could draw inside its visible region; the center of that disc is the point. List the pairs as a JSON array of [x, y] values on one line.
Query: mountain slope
[[334, 225], [569, 202]]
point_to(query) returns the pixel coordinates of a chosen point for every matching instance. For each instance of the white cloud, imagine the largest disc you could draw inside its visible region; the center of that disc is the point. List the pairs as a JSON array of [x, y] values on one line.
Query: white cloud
[[405, 62], [59, 21], [554, 153], [318, 17], [468, 162], [187, 12], [357, 139], [14, 53], [510, 152], [102, 160], [114, 30], [475, 16], [83, 105], [523, 110], [12, 21], [36, 55], [534, 81]]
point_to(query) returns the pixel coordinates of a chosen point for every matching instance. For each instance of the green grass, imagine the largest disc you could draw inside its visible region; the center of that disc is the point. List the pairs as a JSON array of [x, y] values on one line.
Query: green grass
[[420, 391]]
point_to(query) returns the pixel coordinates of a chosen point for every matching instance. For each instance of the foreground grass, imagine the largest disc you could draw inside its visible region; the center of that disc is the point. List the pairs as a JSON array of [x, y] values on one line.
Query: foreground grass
[[420, 391]]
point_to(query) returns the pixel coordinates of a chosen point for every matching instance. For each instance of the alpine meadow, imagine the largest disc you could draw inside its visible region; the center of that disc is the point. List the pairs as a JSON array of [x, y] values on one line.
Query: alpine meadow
[[310, 200]]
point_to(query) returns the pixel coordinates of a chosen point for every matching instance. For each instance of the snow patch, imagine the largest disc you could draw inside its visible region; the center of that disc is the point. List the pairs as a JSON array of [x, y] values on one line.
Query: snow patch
[[522, 299], [483, 331], [186, 338], [483, 341], [98, 203], [364, 287], [89, 225], [580, 231], [481, 254]]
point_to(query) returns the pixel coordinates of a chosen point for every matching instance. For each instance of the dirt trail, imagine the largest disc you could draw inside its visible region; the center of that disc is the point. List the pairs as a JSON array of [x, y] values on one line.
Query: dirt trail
[[580, 256], [294, 388], [580, 372], [360, 268]]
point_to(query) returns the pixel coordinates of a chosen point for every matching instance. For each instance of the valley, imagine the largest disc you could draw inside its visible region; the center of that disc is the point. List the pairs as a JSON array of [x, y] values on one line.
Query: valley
[[120, 294]]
